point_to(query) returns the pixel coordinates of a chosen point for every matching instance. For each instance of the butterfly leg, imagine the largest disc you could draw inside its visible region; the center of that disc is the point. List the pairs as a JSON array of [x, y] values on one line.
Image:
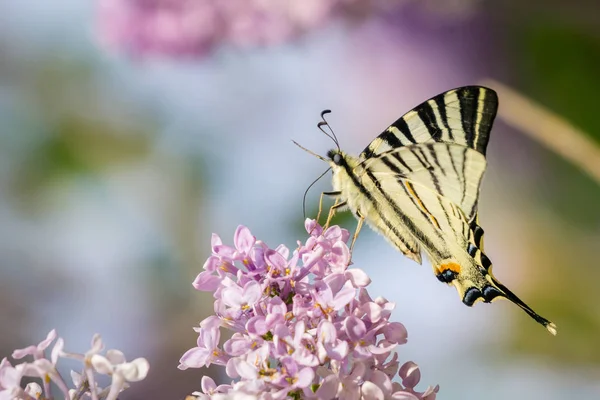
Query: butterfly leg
[[331, 194], [361, 220], [336, 206]]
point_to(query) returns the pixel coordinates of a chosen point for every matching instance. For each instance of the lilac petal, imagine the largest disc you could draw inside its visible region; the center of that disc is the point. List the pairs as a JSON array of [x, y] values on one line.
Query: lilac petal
[[355, 328], [210, 338], [289, 365], [395, 332], [370, 391], [363, 296], [230, 368], [310, 259], [208, 384], [274, 319], [283, 250], [382, 381], [339, 351], [339, 257], [101, 364], [210, 322], [431, 393], [343, 297], [194, 358], [326, 332], [324, 243], [312, 227], [57, 350], [404, 396], [329, 388], [32, 389], [252, 293], [275, 260], [215, 240], [46, 342], [276, 306], [20, 353], [333, 233], [238, 345], [372, 311], [382, 347], [257, 325], [135, 370], [244, 369], [206, 282], [211, 264], [115, 356], [10, 376], [358, 277], [358, 372], [305, 357], [97, 345], [410, 374], [281, 331], [335, 281], [362, 352], [257, 255], [225, 251], [345, 235], [299, 330], [232, 296], [349, 391], [305, 377], [243, 239]]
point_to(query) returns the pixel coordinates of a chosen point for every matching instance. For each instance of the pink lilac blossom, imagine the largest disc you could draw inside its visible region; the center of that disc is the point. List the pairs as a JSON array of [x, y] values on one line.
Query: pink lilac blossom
[[195, 27], [303, 324], [112, 364]]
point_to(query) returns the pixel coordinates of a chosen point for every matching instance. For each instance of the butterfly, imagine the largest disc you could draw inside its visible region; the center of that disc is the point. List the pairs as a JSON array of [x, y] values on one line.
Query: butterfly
[[417, 184]]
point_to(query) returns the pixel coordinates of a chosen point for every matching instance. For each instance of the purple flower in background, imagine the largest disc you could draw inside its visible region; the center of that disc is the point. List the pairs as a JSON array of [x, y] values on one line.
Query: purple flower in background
[[195, 27], [112, 364], [304, 325]]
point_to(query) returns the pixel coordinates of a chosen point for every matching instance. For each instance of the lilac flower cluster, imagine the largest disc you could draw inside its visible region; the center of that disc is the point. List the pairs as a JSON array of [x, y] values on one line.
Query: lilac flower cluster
[[113, 363], [303, 326], [195, 27]]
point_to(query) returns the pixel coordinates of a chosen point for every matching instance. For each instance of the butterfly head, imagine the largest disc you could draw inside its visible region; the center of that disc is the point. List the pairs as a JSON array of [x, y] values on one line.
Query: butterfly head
[[336, 157]]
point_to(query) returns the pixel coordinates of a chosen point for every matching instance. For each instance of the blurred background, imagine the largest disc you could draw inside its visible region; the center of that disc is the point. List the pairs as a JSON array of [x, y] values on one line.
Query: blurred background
[[133, 130]]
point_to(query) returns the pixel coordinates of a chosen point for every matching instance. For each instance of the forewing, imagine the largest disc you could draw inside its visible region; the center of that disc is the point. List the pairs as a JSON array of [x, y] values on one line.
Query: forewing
[[462, 116]]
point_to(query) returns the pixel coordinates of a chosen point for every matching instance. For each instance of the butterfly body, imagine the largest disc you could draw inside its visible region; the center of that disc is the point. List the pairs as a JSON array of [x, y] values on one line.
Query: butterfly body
[[417, 184]]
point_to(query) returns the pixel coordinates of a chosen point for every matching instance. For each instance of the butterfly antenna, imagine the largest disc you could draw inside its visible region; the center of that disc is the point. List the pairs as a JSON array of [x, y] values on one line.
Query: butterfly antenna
[[306, 192], [324, 123], [311, 152]]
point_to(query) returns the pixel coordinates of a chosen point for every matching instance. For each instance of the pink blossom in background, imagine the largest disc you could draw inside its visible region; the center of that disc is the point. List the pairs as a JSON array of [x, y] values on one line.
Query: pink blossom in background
[[303, 324], [84, 385], [195, 27]]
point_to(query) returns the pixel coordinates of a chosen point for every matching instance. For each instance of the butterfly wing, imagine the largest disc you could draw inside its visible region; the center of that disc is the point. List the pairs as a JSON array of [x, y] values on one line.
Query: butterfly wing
[[462, 116], [433, 189], [453, 171]]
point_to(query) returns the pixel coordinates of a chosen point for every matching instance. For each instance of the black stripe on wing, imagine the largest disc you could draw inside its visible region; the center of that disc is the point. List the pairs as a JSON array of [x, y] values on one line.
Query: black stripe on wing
[[463, 116]]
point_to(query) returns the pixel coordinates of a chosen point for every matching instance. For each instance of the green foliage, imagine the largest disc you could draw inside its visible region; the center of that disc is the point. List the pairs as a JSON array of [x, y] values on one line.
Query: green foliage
[[559, 66], [561, 69]]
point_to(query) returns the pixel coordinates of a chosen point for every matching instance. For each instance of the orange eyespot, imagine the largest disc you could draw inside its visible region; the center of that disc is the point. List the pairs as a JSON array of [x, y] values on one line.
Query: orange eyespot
[[454, 267]]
